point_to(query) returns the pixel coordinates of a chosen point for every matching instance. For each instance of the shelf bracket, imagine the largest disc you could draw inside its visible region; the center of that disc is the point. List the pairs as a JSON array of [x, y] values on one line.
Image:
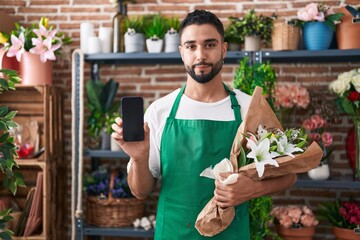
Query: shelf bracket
[[95, 73], [257, 57]]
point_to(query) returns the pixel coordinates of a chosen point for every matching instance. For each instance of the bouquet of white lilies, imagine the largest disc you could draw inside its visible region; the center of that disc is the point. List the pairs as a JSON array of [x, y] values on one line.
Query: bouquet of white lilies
[[261, 149]]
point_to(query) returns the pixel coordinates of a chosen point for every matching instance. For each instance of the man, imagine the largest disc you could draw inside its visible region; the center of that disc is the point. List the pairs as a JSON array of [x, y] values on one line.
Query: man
[[189, 130]]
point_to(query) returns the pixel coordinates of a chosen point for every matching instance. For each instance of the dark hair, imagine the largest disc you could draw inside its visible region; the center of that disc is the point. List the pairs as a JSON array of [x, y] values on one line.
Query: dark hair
[[200, 17]]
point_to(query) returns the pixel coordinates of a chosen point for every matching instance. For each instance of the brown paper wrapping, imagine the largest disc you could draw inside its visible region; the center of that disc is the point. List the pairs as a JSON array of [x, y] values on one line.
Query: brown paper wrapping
[[213, 219]]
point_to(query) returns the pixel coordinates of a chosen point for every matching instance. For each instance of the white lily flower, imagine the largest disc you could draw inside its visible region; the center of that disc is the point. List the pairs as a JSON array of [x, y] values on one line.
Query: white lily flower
[[261, 155], [286, 148]]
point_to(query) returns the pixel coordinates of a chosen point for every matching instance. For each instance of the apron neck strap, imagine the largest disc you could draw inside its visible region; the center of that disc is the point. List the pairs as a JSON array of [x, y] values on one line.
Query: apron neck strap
[[234, 103]]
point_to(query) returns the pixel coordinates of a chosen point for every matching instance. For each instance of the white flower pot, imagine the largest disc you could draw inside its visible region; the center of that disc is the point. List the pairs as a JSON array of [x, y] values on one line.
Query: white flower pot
[[321, 172], [134, 42], [105, 140], [252, 43], [154, 45], [172, 42], [114, 146]]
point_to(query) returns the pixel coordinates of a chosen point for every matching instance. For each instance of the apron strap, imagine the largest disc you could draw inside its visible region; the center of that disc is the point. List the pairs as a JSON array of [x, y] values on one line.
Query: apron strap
[[234, 103]]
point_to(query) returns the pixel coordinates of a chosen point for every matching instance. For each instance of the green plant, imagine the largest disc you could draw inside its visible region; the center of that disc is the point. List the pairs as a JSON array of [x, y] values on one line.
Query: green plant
[[135, 24], [252, 25], [100, 98], [232, 32], [173, 24], [12, 180], [110, 119], [248, 76], [155, 27]]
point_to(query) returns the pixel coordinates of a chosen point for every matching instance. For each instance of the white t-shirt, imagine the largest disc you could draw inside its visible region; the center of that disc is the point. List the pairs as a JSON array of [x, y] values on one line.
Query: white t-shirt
[[159, 110]]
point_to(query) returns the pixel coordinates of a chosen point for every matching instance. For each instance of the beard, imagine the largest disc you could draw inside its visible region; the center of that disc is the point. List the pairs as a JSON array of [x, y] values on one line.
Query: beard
[[203, 77]]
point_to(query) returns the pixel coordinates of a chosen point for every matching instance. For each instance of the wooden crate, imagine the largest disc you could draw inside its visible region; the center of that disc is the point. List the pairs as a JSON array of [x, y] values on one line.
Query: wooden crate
[[43, 104]]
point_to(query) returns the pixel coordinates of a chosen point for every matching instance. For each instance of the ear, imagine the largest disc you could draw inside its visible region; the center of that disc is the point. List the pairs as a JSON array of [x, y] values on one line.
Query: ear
[[181, 50], [224, 49]]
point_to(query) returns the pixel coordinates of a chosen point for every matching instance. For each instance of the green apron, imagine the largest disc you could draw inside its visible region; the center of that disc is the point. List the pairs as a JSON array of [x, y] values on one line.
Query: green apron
[[187, 148]]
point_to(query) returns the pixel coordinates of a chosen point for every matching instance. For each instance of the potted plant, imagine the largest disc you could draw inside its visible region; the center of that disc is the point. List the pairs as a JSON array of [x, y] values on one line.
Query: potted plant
[[11, 179], [35, 48], [134, 34], [255, 28], [318, 23], [294, 222], [344, 217], [155, 29], [100, 98], [110, 120], [232, 35], [315, 128], [348, 30], [172, 39]]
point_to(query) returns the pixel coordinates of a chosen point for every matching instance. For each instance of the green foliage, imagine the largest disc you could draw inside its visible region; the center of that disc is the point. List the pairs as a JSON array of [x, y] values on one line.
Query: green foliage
[[155, 27], [100, 98], [248, 76], [173, 23], [330, 211], [12, 180], [260, 209], [250, 25], [136, 23]]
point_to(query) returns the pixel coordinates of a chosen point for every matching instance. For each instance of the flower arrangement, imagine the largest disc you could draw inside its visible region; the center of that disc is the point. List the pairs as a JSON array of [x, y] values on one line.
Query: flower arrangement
[[294, 216], [317, 12], [98, 184], [342, 214], [289, 96], [347, 89], [42, 40], [315, 128]]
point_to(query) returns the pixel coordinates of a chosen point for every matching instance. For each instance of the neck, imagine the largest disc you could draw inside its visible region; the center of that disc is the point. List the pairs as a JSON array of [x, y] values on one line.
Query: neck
[[212, 91]]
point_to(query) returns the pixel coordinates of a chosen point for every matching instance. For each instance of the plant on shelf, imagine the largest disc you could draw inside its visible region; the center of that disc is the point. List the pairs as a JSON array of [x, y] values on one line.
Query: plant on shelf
[[42, 39], [254, 28], [232, 36], [155, 29], [292, 218], [344, 216], [134, 34], [172, 38], [100, 98], [11, 180]]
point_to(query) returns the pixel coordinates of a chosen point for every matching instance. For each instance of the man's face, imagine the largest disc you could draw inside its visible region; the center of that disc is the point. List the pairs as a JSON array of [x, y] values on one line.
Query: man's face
[[202, 52]]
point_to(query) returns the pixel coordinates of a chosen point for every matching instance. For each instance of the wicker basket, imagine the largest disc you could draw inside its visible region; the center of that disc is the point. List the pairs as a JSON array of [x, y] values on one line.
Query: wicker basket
[[113, 212], [285, 36]]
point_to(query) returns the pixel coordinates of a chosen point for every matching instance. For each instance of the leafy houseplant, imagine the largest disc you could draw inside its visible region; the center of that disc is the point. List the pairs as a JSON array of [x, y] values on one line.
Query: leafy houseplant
[[12, 179], [252, 25], [134, 34], [100, 98], [232, 35], [155, 29]]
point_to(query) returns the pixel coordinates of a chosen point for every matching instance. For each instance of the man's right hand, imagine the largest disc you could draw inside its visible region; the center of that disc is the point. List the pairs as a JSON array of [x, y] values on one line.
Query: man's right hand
[[138, 151]]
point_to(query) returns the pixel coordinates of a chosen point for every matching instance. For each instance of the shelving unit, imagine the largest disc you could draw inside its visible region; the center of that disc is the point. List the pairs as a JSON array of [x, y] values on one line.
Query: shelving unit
[[300, 56], [42, 104]]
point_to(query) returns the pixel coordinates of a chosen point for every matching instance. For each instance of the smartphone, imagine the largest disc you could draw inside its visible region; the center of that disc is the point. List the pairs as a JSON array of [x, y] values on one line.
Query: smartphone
[[132, 112]]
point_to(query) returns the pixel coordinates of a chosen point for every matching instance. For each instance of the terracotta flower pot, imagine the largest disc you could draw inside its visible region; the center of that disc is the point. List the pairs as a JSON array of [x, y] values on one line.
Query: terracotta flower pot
[[34, 72], [8, 62], [345, 234], [347, 33], [304, 233]]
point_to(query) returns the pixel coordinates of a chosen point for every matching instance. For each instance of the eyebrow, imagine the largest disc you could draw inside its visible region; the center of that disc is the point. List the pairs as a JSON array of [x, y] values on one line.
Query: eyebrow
[[206, 41]]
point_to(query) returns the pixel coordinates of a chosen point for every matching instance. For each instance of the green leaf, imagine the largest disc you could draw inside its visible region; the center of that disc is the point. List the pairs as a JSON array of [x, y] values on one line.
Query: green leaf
[[11, 115], [3, 110], [4, 137], [3, 126], [11, 124], [347, 106]]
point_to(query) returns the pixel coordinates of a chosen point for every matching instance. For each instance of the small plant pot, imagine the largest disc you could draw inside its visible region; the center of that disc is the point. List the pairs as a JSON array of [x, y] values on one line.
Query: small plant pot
[[252, 43], [172, 42], [321, 172], [105, 140], [234, 47], [317, 35], [347, 32], [114, 146], [154, 45], [134, 42]]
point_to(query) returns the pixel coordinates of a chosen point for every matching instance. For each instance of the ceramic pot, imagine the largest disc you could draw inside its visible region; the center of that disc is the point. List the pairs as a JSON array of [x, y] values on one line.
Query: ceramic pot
[[317, 35], [252, 43], [234, 47], [321, 172], [345, 234], [114, 146], [8, 62], [154, 45], [172, 42], [105, 140], [304, 233], [134, 42], [34, 72], [347, 32]]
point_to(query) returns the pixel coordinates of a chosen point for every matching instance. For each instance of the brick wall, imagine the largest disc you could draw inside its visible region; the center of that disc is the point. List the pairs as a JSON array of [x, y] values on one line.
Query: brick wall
[[154, 81]]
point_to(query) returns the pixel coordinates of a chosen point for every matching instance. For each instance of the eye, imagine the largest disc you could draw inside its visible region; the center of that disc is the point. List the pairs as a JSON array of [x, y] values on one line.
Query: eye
[[211, 45], [190, 47]]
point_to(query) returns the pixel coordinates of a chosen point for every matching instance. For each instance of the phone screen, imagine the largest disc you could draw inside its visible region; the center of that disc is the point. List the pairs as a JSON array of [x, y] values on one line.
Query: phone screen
[[132, 111]]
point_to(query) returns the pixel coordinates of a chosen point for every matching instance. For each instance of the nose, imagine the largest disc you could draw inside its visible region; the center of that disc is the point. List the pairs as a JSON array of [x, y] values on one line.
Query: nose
[[201, 56]]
